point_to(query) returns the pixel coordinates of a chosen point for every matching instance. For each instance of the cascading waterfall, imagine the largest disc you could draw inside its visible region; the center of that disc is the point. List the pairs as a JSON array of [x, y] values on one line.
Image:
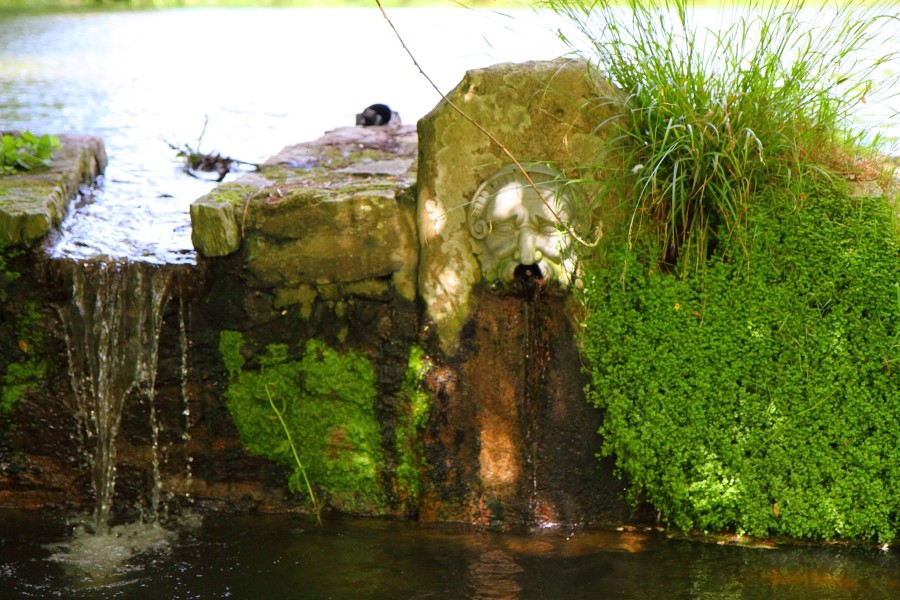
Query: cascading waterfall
[[112, 329]]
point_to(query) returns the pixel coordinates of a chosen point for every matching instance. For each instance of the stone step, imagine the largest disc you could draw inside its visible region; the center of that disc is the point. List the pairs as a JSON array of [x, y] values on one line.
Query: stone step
[[33, 203]]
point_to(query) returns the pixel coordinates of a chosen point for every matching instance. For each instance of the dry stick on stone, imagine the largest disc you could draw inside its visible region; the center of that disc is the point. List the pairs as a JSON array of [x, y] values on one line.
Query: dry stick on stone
[[490, 136]]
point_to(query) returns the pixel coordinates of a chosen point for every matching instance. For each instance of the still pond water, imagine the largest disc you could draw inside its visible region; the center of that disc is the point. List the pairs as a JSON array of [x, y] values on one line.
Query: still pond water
[[262, 557], [261, 80]]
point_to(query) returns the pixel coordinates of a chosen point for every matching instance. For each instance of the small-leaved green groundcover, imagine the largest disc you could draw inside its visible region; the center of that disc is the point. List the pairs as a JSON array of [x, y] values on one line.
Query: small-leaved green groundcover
[[742, 324], [766, 402], [25, 151]]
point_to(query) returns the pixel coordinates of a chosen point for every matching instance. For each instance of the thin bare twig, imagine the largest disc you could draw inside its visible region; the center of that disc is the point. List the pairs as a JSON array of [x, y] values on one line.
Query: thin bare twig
[[490, 136]]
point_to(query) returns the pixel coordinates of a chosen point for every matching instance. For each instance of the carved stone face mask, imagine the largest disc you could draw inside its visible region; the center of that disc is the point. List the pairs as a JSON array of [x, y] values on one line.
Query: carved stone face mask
[[514, 226]]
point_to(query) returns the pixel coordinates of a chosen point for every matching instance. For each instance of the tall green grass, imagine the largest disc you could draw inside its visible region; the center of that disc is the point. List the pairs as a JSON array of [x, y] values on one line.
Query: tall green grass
[[711, 115]]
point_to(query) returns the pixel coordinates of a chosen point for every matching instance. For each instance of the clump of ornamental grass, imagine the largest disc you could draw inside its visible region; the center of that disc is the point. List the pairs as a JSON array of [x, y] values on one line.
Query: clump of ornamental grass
[[765, 97]]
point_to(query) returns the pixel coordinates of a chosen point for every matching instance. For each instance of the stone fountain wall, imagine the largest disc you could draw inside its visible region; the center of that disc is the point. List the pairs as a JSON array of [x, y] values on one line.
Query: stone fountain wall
[[366, 241], [516, 441]]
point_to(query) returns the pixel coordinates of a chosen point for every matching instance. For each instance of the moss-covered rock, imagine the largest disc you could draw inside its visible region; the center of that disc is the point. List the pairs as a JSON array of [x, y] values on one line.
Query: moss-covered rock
[[315, 415], [415, 412], [33, 203], [339, 209], [215, 219]]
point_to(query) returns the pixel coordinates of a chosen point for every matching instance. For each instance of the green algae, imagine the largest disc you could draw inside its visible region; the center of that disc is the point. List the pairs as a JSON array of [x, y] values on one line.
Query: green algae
[[24, 374], [230, 344], [415, 412], [232, 193], [327, 408]]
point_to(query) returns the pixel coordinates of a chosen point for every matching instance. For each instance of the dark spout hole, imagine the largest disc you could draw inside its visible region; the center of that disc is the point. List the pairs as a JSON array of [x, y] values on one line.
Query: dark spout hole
[[527, 273]]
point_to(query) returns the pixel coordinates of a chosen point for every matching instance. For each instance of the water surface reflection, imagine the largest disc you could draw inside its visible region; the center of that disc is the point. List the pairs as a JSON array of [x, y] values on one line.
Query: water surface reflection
[[278, 556]]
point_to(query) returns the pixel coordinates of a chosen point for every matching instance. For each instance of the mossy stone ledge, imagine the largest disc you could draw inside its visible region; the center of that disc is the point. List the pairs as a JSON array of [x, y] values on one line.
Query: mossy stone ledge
[[336, 210], [33, 203]]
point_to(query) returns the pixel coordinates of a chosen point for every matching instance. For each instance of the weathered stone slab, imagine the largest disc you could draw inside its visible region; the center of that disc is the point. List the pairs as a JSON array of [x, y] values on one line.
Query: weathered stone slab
[[338, 209], [33, 203], [544, 113], [314, 239], [215, 219]]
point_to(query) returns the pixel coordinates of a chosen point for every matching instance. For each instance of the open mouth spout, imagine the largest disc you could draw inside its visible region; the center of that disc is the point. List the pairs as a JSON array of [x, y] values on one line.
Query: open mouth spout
[[528, 274]]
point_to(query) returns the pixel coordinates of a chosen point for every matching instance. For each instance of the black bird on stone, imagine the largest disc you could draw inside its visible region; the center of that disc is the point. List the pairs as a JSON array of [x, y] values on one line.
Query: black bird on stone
[[376, 114]]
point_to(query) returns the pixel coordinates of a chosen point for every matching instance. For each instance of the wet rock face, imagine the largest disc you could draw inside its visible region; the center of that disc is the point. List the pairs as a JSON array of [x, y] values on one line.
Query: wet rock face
[[515, 442]]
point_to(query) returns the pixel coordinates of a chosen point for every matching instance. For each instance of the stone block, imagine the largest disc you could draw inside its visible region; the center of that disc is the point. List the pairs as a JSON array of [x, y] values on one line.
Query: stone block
[[33, 203], [339, 209], [542, 113], [216, 219]]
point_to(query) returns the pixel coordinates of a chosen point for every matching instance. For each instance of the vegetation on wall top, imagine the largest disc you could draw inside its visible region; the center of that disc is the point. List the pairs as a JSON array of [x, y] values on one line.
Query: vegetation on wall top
[[714, 116], [25, 151]]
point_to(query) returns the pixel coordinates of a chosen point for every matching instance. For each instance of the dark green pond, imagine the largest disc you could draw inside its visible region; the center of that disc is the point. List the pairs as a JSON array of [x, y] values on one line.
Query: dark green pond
[[269, 556]]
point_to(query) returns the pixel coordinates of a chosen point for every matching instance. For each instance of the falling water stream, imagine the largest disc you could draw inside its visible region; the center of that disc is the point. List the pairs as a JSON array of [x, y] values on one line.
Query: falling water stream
[[537, 355], [112, 326]]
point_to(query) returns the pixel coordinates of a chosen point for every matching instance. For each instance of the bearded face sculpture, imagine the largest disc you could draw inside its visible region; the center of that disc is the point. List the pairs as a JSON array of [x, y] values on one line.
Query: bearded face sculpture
[[520, 226]]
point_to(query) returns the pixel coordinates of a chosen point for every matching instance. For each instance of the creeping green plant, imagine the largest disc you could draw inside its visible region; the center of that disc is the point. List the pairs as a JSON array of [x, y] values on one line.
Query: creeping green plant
[[25, 152], [764, 400]]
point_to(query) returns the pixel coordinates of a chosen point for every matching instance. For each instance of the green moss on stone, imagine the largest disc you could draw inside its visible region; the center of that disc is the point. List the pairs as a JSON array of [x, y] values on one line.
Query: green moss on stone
[[215, 219], [7, 275], [232, 193], [29, 207], [20, 378], [230, 344], [327, 400], [24, 374], [413, 419]]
